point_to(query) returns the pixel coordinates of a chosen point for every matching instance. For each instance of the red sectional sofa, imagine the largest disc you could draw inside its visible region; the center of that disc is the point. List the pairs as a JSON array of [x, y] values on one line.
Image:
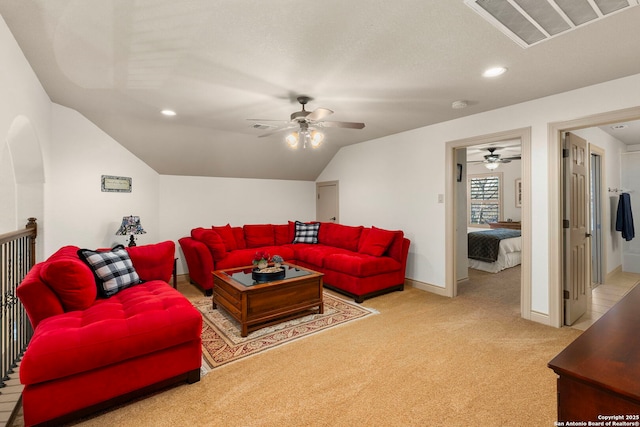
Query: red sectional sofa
[[358, 261], [89, 352]]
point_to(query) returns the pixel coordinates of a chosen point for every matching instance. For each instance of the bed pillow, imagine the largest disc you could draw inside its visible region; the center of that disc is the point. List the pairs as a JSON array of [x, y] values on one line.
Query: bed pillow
[[306, 233], [376, 242], [112, 269]]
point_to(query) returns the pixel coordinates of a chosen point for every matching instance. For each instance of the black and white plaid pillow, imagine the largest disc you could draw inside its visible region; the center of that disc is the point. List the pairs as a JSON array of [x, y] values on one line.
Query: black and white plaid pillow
[[306, 233], [113, 269]]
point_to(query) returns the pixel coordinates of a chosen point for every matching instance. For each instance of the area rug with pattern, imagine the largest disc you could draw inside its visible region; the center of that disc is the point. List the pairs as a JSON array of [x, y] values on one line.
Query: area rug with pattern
[[222, 343]]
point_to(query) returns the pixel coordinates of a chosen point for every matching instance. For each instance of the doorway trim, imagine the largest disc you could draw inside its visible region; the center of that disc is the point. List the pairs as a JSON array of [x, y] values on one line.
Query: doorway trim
[[451, 280], [604, 212], [555, 130]]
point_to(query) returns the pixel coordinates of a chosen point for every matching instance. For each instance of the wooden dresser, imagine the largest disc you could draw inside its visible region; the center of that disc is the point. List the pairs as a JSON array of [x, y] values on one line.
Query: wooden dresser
[[599, 373], [505, 224]]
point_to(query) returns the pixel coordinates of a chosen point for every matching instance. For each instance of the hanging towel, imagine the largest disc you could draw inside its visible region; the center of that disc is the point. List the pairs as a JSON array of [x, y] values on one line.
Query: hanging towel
[[624, 220]]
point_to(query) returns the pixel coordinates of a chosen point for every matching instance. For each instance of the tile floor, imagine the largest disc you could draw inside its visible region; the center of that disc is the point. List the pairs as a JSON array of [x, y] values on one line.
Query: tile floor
[[604, 296]]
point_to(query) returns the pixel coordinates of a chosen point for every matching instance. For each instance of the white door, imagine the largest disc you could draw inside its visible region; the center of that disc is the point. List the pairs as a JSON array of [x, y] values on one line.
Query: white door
[[576, 228], [327, 201]]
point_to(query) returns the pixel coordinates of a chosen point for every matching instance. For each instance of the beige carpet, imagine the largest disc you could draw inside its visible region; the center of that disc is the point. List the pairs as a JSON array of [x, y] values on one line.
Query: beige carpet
[[222, 342], [501, 289], [424, 360]]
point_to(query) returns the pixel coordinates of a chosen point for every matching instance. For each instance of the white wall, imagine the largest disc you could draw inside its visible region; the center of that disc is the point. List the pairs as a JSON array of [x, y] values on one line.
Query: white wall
[[187, 202], [70, 155], [611, 179], [630, 170], [8, 211], [25, 109], [399, 177], [78, 212]]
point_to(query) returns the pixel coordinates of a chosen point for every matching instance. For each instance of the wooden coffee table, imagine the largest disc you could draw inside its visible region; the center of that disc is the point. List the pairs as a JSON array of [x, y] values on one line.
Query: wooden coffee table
[[257, 304]]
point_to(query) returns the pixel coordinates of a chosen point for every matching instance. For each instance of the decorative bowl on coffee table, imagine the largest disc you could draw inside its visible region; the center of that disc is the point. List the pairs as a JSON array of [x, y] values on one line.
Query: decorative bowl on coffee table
[[268, 274]]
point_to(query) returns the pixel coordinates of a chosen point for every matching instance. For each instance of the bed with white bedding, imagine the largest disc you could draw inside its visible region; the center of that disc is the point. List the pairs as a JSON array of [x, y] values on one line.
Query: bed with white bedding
[[494, 250]]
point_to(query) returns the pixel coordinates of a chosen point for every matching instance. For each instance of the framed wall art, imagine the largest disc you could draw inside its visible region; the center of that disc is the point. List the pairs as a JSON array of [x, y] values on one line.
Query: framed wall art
[[117, 184]]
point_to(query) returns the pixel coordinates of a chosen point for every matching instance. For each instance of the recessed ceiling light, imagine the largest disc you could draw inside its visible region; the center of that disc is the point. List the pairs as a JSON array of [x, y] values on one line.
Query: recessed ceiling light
[[494, 72], [168, 112]]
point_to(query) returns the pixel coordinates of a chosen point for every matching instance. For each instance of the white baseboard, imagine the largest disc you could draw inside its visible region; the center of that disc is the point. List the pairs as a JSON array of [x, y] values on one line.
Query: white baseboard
[[540, 318], [534, 316], [426, 287], [612, 273]]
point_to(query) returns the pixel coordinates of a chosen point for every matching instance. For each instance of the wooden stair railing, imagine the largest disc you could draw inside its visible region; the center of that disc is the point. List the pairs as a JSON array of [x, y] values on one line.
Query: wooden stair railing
[[17, 256]]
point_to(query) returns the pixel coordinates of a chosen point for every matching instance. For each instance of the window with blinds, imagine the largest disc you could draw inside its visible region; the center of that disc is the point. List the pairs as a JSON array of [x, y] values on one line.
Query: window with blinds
[[484, 194]]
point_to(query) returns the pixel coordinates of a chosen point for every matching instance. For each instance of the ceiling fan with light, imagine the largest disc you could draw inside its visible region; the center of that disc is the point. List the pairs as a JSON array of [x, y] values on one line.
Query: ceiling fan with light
[[306, 123], [492, 160]]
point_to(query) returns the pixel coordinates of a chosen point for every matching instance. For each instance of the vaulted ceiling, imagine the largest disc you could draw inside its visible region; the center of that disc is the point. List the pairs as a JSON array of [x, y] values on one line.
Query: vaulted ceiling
[[393, 65]]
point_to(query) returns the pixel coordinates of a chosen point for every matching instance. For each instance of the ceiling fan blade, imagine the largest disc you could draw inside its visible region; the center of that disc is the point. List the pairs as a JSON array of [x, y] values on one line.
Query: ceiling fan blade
[[269, 120], [350, 125], [319, 114], [512, 158], [284, 129]]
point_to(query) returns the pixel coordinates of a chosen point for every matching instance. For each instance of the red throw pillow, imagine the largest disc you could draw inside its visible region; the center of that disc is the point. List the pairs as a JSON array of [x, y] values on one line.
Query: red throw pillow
[[226, 233], [292, 230], [281, 234], [155, 261], [238, 234], [376, 242], [72, 281], [340, 236], [259, 235], [65, 251], [212, 240]]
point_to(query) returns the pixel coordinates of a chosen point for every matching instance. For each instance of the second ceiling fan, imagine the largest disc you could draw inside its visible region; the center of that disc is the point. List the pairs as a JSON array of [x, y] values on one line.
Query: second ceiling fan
[[493, 160], [304, 122]]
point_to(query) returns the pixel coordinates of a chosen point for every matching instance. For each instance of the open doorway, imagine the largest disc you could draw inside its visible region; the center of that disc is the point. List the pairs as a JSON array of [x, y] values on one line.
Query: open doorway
[[456, 211], [609, 282], [608, 156], [491, 198]]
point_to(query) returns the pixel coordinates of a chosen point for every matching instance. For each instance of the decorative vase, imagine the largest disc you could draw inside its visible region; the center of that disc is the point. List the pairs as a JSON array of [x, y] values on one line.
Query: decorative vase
[[262, 264], [276, 264]]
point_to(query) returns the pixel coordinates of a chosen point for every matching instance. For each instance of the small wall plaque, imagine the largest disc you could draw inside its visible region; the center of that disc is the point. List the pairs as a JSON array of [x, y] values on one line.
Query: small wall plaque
[[118, 184]]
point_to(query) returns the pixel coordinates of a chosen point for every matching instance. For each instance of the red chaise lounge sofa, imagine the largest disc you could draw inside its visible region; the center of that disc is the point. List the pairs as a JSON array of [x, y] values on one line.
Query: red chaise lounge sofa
[[88, 351], [360, 262]]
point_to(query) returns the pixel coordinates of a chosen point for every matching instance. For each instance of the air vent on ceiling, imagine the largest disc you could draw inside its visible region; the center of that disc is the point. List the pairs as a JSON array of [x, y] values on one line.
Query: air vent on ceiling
[[529, 22]]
